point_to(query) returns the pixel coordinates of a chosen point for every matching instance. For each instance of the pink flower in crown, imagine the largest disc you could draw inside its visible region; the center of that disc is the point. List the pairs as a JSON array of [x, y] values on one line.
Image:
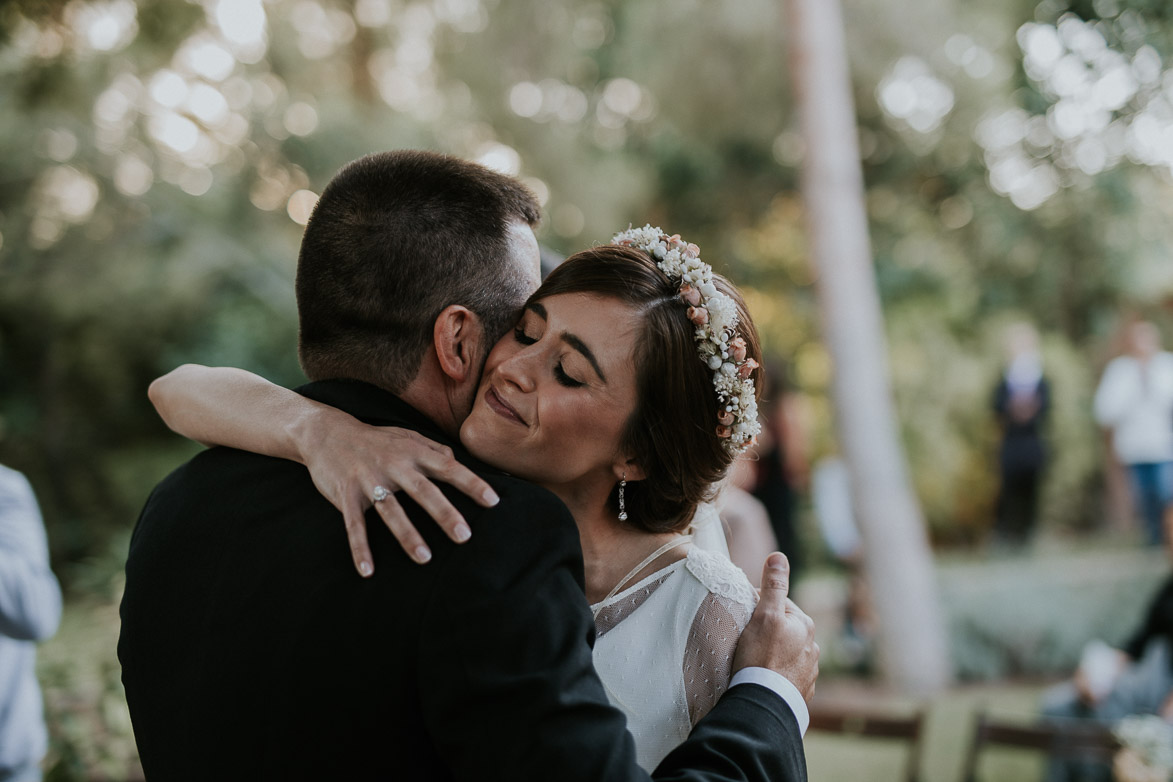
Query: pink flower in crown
[[747, 368], [698, 315], [725, 419], [737, 350], [692, 249], [675, 242], [723, 432], [690, 295]]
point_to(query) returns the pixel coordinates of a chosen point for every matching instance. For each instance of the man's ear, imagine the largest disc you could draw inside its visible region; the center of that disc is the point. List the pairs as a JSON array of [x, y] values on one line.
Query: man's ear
[[459, 341], [627, 469]]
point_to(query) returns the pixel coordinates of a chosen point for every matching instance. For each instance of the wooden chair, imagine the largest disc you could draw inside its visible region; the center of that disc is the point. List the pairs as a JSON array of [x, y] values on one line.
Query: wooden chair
[[868, 724], [1069, 739]]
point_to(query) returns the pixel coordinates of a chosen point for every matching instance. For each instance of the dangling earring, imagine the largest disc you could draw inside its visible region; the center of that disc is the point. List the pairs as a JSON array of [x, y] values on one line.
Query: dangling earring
[[622, 504]]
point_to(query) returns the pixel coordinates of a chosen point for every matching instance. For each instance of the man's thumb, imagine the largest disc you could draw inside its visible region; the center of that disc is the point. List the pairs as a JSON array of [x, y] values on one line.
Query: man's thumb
[[776, 576]]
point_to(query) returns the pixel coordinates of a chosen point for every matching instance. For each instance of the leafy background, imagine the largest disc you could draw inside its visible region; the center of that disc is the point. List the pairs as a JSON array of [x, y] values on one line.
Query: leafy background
[[158, 157]]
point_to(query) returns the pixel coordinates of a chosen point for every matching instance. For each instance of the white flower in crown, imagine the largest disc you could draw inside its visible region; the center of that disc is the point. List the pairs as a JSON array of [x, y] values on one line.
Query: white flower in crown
[[715, 316]]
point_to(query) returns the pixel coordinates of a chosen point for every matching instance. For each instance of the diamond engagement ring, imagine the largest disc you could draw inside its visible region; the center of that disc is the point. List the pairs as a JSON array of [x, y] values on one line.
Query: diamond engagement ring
[[380, 493]]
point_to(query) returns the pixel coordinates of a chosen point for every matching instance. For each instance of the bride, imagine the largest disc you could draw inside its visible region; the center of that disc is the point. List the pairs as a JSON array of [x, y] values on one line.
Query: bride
[[627, 388]]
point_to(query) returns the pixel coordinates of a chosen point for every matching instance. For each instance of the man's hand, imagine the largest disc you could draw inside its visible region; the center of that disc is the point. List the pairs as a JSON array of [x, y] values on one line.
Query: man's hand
[[780, 636]]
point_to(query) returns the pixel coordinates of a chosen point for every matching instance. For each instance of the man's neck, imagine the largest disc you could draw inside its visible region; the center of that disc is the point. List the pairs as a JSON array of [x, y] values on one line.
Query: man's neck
[[431, 395]]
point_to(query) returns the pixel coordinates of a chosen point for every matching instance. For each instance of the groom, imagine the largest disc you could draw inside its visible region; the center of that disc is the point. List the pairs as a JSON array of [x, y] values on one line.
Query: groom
[[251, 650]]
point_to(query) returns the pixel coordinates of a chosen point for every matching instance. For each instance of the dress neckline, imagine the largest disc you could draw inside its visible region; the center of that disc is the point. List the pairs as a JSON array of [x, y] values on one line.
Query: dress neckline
[[645, 581]]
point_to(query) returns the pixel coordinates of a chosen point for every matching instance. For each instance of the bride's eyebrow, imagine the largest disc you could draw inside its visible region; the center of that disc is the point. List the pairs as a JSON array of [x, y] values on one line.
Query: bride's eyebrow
[[570, 339], [582, 348]]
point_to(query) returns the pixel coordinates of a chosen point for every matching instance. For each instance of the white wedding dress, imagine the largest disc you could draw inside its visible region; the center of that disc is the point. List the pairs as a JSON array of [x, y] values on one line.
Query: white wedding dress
[[665, 644]]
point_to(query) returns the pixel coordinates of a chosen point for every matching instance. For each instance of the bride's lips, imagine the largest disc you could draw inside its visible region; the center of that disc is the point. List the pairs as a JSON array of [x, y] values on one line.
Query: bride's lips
[[498, 406]]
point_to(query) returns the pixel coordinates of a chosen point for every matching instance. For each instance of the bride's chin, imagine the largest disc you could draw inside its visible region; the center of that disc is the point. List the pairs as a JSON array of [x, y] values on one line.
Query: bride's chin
[[474, 439]]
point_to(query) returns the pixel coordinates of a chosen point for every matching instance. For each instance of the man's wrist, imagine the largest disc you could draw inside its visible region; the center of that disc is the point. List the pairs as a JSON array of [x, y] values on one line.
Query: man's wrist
[[780, 686]]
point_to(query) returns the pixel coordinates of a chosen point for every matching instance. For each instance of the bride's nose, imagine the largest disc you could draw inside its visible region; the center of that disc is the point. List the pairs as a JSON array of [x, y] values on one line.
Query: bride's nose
[[518, 370]]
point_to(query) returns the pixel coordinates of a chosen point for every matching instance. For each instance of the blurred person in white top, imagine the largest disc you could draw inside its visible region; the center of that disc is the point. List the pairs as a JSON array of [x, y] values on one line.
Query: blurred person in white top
[[30, 608], [1135, 402]]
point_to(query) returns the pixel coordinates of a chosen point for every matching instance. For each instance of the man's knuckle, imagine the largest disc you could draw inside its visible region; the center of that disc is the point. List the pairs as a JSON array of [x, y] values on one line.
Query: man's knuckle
[[769, 614]]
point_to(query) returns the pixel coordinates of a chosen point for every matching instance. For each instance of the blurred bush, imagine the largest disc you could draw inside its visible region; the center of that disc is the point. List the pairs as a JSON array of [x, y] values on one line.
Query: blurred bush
[[1024, 617]]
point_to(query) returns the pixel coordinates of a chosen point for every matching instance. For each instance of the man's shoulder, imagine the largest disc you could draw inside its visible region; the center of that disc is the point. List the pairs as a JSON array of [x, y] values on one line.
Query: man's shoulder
[[228, 484], [223, 467], [524, 507], [529, 530]]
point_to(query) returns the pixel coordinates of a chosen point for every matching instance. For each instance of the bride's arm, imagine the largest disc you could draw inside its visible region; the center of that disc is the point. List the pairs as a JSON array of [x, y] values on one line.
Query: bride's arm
[[345, 457], [708, 654]]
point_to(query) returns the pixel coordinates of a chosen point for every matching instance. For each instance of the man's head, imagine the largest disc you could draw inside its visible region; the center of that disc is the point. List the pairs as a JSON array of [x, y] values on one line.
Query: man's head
[[398, 238]]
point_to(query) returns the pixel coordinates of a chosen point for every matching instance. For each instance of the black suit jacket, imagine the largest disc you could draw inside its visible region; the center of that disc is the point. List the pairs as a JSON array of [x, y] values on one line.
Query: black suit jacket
[[251, 649]]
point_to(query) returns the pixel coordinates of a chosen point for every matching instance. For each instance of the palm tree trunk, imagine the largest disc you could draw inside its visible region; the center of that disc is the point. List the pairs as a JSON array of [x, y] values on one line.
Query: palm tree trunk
[[898, 563]]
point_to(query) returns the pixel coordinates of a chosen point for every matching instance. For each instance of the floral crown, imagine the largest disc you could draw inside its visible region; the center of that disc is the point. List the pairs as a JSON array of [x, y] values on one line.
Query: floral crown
[[715, 316]]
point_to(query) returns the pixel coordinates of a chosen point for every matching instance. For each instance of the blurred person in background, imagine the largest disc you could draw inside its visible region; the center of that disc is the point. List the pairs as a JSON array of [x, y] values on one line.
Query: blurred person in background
[[831, 495], [30, 609], [1134, 402], [1021, 401], [748, 536], [780, 472], [1111, 683]]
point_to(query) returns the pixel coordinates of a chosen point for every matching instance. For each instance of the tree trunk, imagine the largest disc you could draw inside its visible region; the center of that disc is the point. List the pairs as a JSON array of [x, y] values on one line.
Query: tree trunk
[[912, 647]]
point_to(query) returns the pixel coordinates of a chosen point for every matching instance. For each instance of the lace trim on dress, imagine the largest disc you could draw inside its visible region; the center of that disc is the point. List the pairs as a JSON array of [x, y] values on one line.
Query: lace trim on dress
[[720, 576]]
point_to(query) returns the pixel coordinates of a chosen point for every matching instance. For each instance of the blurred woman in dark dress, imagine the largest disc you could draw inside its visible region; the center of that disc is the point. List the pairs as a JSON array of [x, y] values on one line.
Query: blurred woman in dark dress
[[1021, 401]]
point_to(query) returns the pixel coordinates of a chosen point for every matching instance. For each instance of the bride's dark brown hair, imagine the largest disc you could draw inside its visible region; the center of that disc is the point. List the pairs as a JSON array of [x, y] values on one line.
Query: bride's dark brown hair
[[672, 433]]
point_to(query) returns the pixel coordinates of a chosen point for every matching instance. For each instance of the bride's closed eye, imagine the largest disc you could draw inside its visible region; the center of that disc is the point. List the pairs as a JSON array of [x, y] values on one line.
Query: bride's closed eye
[[565, 379], [523, 338], [560, 373]]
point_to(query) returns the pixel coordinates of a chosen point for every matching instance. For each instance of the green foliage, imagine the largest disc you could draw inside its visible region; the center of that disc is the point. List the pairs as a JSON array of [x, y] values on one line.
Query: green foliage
[[141, 228], [128, 245]]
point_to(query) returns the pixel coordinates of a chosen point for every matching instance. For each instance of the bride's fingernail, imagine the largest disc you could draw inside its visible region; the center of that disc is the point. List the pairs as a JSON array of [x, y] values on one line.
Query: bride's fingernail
[[491, 497], [461, 532], [365, 568], [422, 554]]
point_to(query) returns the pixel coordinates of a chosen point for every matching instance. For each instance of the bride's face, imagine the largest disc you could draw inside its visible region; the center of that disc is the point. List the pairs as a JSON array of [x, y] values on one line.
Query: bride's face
[[557, 392]]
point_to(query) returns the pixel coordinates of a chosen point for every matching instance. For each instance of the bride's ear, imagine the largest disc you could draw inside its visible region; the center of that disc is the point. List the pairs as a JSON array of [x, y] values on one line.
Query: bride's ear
[[629, 468], [458, 339]]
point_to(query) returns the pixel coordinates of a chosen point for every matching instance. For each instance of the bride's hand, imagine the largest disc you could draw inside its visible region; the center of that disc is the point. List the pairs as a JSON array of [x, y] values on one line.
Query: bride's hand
[[348, 459]]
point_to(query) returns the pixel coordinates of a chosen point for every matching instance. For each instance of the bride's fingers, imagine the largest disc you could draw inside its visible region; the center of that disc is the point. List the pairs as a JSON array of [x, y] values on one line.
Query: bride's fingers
[[356, 533], [419, 438], [403, 530], [429, 497], [442, 466], [439, 463]]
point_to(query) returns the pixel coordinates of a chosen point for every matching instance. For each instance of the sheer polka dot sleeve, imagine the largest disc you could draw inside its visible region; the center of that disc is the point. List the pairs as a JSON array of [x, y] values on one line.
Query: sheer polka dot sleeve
[[708, 655]]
